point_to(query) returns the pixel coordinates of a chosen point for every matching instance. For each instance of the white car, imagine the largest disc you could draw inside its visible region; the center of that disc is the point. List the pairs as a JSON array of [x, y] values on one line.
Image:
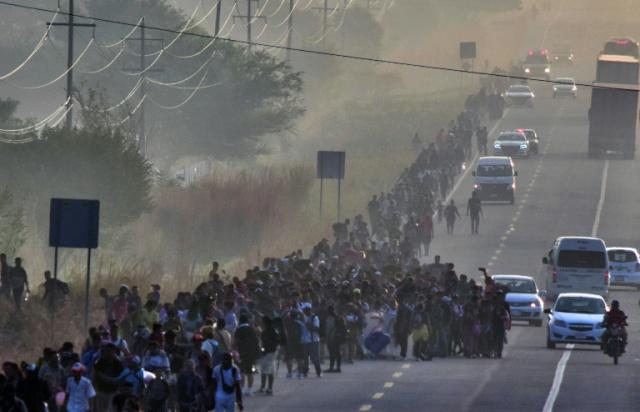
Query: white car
[[624, 266], [564, 86], [511, 144], [576, 318], [523, 297], [519, 95]]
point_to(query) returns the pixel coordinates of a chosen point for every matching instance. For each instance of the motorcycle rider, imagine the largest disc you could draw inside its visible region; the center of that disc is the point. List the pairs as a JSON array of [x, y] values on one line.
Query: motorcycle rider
[[614, 316]]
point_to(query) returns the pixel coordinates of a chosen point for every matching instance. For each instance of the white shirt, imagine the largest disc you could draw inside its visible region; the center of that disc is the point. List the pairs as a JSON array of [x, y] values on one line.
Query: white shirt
[[79, 394]]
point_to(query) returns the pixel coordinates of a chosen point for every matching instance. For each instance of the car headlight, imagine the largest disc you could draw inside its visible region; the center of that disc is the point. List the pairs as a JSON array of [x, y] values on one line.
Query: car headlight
[[560, 323], [527, 70], [547, 70], [523, 146], [497, 145], [555, 88], [535, 304]]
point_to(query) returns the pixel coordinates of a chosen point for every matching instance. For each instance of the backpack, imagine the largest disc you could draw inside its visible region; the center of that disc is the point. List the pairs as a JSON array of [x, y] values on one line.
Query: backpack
[[157, 393], [234, 376]]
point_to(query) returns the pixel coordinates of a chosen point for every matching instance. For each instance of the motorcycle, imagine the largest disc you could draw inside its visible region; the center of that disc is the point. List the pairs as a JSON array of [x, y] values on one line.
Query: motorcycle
[[614, 346]]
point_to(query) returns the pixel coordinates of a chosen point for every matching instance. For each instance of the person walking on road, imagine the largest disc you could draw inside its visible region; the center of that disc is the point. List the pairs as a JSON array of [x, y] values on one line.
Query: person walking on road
[[474, 209], [451, 214], [18, 279], [482, 136]]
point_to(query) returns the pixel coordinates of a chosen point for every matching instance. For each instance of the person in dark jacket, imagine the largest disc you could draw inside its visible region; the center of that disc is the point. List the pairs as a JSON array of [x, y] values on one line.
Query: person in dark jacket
[[34, 392], [336, 335], [189, 387], [403, 326], [248, 347], [270, 340]]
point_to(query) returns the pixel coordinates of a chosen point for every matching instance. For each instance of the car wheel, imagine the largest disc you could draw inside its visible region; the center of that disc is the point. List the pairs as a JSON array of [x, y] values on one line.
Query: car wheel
[[550, 343]]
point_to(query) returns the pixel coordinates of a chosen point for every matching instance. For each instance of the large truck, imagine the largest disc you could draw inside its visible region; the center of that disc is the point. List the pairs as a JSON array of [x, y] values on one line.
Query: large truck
[[613, 116], [537, 64]]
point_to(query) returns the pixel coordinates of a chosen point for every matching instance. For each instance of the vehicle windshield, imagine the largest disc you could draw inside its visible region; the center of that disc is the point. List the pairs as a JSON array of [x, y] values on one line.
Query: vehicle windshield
[[494, 170], [622, 256], [582, 259], [511, 137], [519, 89], [537, 59], [580, 305], [518, 285]]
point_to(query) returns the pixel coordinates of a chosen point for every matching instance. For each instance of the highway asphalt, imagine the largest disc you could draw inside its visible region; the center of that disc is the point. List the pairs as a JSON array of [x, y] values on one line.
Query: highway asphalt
[[559, 193]]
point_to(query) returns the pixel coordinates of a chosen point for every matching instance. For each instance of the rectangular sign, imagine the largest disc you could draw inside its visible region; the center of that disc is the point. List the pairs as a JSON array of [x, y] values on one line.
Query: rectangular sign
[[74, 223], [331, 165], [468, 50]]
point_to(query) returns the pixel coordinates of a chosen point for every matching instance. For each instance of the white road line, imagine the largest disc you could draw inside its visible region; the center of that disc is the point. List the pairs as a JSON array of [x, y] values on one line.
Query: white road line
[[388, 385], [378, 395], [406, 366], [562, 363], [365, 408], [557, 379], [603, 193], [396, 375]]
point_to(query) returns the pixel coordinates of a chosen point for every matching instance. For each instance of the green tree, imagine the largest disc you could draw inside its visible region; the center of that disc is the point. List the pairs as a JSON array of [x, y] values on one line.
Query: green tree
[[96, 161], [12, 226]]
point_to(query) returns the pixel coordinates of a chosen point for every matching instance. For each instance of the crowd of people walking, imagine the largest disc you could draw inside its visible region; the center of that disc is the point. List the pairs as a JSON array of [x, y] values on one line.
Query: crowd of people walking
[[362, 295]]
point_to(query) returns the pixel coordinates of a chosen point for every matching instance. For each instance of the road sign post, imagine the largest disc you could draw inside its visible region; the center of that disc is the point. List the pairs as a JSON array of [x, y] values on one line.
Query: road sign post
[[331, 165], [74, 223]]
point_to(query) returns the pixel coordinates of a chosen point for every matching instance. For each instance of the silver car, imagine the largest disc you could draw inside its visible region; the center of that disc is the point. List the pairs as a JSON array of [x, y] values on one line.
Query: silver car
[[519, 95], [564, 86], [624, 266], [511, 144], [576, 318], [524, 298]]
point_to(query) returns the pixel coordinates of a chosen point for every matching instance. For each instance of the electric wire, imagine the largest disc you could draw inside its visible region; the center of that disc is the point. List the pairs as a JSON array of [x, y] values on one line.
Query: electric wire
[[64, 73], [133, 91], [286, 19], [39, 46], [324, 53], [187, 100], [186, 79], [105, 67], [124, 39], [37, 125]]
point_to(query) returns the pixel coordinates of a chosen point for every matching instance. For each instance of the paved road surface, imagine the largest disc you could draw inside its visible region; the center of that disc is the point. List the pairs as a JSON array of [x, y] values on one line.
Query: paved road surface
[[558, 194]]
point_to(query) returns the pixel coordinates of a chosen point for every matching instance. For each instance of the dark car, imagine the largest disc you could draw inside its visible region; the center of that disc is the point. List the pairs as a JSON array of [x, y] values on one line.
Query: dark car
[[532, 138]]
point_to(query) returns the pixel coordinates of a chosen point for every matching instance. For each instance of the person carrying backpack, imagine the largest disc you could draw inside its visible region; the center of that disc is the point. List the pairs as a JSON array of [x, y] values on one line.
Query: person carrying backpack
[[226, 384], [158, 392]]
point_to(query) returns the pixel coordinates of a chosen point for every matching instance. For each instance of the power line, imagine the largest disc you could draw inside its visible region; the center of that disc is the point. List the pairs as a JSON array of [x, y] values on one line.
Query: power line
[[71, 25], [321, 52]]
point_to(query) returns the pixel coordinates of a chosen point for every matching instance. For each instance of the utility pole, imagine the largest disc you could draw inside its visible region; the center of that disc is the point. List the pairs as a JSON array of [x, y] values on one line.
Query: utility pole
[[218, 13], [290, 30], [71, 24], [325, 9], [142, 91], [250, 18]]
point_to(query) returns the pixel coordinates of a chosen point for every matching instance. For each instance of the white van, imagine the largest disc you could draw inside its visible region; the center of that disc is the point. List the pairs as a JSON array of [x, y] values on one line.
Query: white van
[[495, 178], [578, 265]]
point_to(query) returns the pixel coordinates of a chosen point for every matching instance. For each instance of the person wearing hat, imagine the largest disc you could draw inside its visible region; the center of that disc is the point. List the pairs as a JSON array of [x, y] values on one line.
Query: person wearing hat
[[79, 390]]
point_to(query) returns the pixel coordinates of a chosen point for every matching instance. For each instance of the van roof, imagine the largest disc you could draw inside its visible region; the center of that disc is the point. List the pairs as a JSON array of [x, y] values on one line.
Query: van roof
[[495, 160], [581, 242]]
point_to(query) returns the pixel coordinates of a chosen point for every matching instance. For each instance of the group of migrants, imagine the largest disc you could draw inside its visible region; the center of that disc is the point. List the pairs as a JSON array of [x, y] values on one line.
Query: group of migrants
[[367, 295]]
